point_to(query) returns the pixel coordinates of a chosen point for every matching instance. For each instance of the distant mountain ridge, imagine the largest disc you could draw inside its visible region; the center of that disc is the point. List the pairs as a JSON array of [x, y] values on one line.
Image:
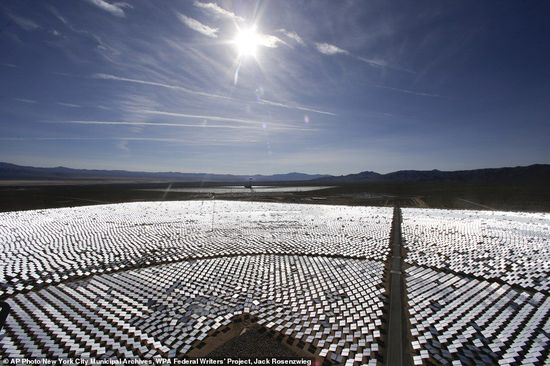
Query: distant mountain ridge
[[531, 174], [13, 171]]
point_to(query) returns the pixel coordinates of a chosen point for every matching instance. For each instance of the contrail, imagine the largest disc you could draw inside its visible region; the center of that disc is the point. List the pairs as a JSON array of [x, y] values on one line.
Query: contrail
[[210, 95], [258, 125]]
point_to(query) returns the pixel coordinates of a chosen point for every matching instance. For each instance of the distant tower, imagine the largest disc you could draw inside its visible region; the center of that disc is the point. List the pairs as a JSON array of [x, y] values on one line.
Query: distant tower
[[249, 185]]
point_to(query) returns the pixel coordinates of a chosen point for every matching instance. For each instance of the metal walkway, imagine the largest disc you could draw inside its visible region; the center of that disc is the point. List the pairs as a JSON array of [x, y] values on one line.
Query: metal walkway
[[395, 349]]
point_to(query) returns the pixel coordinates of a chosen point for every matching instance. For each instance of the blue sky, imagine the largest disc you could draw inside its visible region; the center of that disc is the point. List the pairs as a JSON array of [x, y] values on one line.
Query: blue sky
[[333, 86]]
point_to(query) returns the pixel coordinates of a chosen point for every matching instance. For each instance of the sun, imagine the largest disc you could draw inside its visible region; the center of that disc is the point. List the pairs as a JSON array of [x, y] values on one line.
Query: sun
[[247, 41]]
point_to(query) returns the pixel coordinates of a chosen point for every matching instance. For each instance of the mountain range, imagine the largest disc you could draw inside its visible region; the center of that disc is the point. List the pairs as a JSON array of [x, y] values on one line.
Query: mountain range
[[13, 171], [529, 174]]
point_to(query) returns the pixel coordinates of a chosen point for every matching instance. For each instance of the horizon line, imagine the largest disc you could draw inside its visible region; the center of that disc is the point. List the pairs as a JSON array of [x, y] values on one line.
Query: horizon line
[[272, 174]]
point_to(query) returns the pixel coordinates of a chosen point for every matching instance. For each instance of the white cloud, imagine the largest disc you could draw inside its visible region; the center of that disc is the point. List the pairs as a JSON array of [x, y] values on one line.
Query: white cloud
[[70, 105], [267, 40], [116, 9], [293, 35], [198, 26], [376, 63], [216, 9], [330, 49], [24, 23]]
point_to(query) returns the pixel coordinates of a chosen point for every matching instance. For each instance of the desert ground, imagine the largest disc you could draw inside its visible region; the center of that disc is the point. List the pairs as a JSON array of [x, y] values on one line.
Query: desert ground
[[32, 194]]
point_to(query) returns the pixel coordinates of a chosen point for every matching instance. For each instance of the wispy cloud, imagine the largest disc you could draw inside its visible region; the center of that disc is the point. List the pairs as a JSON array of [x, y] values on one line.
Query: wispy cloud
[[116, 9], [330, 49], [258, 125], [57, 14], [198, 26], [407, 91], [8, 65], [218, 10], [377, 63], [270, 41], [202, 117], [23, 23], [211, 95], [292, 35], [298, 107], [24, 100], [382, 64], [123, 145], [255, 122], [162, 85], [100, 44], [70, 105], [150, 124], [193, 141]]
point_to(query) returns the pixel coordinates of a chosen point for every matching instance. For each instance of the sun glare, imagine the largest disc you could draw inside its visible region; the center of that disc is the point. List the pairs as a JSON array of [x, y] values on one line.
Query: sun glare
[[247, 42]]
